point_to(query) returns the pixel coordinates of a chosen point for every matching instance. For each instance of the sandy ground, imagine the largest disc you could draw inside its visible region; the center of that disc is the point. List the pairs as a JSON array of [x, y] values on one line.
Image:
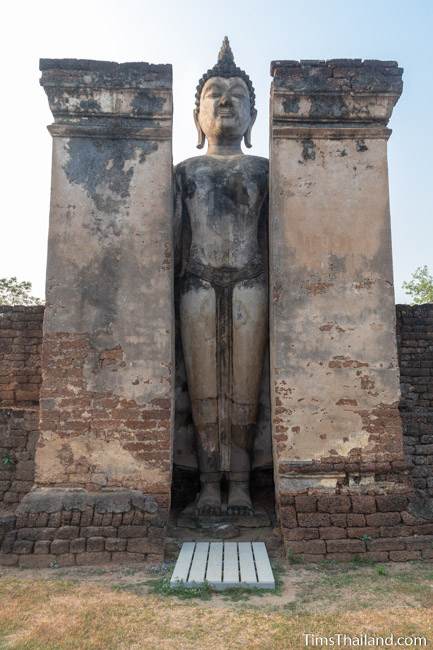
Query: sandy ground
[[128, 607]]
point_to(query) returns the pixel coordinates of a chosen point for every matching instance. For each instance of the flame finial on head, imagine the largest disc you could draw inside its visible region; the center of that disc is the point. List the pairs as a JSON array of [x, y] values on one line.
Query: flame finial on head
[[225, 55], [225, 67]]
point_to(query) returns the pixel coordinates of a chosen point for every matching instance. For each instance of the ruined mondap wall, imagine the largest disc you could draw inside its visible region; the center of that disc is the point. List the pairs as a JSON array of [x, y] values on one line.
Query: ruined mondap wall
[[88, 407], [124, 527], [396, 527]]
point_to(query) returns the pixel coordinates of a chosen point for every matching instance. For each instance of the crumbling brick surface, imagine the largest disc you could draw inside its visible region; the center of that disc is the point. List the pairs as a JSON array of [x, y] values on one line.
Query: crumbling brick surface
[[20, 381], [337, 75], [390, 529], [95, 438], [380, 521], [18, 436], [20, 354], [69, 527], [415, 347], [375, 512]]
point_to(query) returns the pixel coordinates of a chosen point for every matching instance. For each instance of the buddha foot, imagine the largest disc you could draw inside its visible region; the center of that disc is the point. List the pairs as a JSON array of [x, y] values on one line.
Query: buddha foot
[[239, 500], [209, 500]]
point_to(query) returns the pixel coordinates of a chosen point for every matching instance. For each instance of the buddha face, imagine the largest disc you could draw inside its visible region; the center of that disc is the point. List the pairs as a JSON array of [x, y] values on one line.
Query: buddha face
[[225, 109]]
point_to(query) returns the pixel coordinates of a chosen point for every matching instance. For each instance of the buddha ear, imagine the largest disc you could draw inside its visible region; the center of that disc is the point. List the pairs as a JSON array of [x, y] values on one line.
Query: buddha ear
[[247, 134], [201, 135]]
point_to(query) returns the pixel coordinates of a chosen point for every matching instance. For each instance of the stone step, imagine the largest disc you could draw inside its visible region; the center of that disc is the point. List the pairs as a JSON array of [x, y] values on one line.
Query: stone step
[[223, 565]]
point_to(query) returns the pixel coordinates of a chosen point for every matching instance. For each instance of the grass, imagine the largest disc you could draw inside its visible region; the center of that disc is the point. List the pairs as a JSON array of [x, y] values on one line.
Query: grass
[[161, 587], [128, 609], [292, 558]]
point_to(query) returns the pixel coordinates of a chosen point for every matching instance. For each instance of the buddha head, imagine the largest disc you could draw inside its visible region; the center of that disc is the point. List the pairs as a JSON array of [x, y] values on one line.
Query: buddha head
[[224, 102]]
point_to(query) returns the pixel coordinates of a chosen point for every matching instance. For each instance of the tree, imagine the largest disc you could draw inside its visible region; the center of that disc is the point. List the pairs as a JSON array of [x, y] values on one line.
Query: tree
[[13, 292], [420, 287]]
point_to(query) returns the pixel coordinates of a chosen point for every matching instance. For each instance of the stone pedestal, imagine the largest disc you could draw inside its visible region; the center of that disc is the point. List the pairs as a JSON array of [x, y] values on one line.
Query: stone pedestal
[[334, 373], [106, 408]]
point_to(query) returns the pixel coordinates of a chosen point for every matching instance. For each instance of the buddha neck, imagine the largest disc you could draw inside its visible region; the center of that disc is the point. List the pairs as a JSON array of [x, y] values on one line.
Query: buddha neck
[[224, 149]]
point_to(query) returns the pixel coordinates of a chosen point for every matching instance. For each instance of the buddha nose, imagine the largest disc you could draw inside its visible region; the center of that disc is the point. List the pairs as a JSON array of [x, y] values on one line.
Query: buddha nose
[[225, 100]]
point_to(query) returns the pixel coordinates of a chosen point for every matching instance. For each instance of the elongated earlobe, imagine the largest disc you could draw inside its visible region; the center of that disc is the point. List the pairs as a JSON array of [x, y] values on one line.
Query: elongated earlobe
[[247, 134], [201, 135]]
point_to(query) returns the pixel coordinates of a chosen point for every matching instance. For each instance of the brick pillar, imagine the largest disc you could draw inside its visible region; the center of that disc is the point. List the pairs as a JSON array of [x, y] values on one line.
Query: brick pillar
[[106, 408], [334, 372]]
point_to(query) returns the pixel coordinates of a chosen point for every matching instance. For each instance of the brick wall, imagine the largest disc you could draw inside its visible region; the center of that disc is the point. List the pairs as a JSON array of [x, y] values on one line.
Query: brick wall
[[380, 520], [415, 345], [92, 436], [20, 355], [18, 435], [374, 519], [67, 527], [20, 381], [364, 524]]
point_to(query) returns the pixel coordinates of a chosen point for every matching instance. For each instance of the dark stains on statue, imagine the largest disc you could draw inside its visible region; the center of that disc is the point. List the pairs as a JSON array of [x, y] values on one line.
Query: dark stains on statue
[[84, 103], [100, 285], [228, 191], [367, 383], [361, 146], [336, 264], [345, 401], [291, 104], [308, 149], [145, 103], [101, 167], [90, 106], [276, 291], [328, 107], [193, 282], [103, 225], [190, 188]]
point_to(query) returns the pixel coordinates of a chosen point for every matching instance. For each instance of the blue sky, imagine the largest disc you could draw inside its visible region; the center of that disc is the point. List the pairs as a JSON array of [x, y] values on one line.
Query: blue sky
[[188, 34]]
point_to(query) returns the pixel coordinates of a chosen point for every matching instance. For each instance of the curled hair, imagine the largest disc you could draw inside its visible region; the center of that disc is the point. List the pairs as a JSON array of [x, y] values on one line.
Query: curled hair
[[225, 67]]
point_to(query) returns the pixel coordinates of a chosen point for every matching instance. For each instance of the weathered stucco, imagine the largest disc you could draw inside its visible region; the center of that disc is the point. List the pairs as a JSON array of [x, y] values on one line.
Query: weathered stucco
[[107, 391], [334, 373]]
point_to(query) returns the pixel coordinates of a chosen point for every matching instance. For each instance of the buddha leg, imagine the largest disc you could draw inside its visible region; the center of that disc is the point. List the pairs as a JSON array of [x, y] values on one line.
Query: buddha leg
[[250, 311], [198, 330]]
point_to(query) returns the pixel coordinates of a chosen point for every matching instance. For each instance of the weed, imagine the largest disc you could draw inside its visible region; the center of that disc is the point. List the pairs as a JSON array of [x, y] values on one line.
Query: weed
[[243, 593], [161, 569], [359, 560], [8, 460], [381, 571], [329, 565], [130, 571], [236, 594], [162, 587], [278, 571], [293, 558]]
